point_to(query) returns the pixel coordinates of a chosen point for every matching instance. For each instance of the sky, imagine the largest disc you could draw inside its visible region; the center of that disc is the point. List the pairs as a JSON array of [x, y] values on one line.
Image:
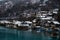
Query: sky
[[1, 0]]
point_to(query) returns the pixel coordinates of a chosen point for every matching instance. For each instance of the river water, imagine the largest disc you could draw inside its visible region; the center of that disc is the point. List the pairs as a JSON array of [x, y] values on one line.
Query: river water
[[13, 34]]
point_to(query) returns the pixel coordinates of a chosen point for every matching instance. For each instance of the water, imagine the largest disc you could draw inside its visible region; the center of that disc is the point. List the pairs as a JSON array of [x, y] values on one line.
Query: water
[[13, 34]]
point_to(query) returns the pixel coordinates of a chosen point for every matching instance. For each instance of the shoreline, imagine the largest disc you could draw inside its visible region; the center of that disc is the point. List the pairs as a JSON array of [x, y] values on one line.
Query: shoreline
[[26, 25]]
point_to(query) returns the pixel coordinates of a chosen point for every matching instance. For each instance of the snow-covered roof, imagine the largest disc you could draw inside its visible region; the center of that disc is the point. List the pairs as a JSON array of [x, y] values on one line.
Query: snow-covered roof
[[56, 9], [20, 23], [49, 13], [7, 22], [28, 22], [17, 22], [49, 21], [37, 26], [42, 16], [4, 21], [55, 12], [47, 18], [34, 20], [43, 11], [56, 22]]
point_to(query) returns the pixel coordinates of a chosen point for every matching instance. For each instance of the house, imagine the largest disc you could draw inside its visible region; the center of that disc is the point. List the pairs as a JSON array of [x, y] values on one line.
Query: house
[[55, 11], [47, 18]]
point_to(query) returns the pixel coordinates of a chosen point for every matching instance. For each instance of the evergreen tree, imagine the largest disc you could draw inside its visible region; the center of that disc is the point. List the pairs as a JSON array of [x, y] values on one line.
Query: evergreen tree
[[58, 15]]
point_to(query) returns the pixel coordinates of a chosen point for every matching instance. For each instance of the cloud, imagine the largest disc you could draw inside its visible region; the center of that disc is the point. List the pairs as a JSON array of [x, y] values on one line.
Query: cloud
[[1, 0]]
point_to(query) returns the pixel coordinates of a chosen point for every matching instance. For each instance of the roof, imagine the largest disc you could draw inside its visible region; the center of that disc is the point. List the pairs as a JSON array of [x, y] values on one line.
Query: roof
[[55, 12], [4, 21], [24, 25], [42, 16], [17, 22], [56, 22], [28, 22], [47, 18]]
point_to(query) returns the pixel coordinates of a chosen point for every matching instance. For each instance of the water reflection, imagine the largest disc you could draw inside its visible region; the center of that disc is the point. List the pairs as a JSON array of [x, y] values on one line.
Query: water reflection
[[13, 34], [56, 37], [53, 35]]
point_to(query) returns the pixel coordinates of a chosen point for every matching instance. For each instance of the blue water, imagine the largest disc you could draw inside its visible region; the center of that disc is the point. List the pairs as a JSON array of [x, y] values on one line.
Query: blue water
[[13, 34]]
